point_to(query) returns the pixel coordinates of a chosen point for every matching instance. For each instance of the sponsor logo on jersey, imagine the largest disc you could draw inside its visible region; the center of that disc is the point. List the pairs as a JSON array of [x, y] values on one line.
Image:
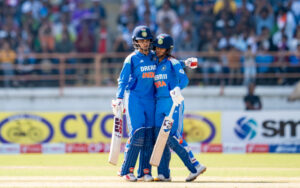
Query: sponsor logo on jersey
[[161, 77], [148, 68], [159, 84], [148, 74]]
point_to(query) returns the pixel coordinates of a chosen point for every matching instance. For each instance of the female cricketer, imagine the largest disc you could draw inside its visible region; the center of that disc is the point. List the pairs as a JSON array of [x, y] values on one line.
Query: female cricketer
[[170, 79]]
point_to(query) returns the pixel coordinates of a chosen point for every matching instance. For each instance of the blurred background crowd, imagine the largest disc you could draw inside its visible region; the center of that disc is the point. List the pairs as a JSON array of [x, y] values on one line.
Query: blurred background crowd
[[254, 29]]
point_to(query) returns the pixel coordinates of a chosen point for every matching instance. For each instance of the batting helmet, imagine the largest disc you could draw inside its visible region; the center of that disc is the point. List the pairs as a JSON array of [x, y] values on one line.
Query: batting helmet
[[141, 32], [164, 41]]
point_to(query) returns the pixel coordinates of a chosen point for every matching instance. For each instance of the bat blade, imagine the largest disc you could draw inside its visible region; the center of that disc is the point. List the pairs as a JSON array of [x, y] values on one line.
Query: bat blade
[[115, 144], [161, 141]]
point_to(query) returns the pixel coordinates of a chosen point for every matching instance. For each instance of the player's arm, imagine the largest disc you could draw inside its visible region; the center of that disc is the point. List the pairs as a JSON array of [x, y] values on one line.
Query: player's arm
[[124, 77], [183, 80]]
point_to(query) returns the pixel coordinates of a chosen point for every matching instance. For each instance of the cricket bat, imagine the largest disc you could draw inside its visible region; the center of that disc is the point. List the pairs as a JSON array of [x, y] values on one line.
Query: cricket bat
[[162, 138], [115, 144]]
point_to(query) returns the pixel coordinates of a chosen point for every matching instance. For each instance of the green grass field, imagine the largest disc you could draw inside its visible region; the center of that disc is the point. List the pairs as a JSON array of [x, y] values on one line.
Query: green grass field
[[263, 168]]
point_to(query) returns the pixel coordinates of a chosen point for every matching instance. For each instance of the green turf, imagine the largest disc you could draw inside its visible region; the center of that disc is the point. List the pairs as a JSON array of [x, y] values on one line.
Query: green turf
[[264, 165]]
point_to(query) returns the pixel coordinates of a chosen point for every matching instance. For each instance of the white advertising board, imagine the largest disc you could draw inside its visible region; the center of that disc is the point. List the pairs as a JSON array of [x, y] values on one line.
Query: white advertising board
[[265, 127]]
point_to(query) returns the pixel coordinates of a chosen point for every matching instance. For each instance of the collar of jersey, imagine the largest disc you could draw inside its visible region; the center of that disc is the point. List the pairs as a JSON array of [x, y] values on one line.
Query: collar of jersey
[[163, 61], [138, 53]]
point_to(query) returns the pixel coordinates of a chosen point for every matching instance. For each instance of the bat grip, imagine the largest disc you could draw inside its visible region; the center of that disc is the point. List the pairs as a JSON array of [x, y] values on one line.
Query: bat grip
[[172, 110]]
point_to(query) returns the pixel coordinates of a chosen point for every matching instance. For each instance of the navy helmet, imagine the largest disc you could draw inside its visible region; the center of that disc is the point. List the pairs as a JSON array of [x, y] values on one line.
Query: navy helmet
[[141, 32], [164, 41]]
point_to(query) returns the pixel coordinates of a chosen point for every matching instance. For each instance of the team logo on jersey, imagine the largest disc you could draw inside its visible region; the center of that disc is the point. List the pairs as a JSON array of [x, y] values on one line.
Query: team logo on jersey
[[142, 61], [144, 33], [181, 71], [164, 68]]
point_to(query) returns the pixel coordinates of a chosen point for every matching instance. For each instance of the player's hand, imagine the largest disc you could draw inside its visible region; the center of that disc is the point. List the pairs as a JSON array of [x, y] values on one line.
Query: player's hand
[[191, 62], [176, 96], [117, 106]]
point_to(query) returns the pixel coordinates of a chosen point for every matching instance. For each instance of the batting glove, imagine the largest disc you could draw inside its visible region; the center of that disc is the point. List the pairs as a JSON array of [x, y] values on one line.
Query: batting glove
[[117, 106], [176, 96], [191, 62]]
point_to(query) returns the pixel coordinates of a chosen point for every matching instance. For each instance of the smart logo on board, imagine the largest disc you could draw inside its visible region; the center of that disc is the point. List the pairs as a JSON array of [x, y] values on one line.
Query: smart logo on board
[[25, 129], [245, 128]]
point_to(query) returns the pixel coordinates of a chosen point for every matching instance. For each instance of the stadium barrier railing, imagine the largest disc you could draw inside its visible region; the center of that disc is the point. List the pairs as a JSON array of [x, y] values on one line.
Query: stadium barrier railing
[[93, 69]]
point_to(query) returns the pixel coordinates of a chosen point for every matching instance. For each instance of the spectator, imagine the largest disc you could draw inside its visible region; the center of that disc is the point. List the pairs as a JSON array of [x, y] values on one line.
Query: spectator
[[264, 18], [65, 45], [102, 37], [203, 7], [186, 12], [295, 9], [62, 24], [265, 40], [128, 14], [146, 9], [228, 6], [233, 65], [7, 60], [187, 40], [252, 102], [249, 66], [282, 60], [85, 40], [46, 37], [98, 9], [287, 20], [211, 64], [263, 60], [293, 43], [166, 12], [25, 65]]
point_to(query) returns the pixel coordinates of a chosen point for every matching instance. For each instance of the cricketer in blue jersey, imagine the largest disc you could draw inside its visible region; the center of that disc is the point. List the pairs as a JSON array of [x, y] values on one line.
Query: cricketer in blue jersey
[[169, 79], [135, 86]]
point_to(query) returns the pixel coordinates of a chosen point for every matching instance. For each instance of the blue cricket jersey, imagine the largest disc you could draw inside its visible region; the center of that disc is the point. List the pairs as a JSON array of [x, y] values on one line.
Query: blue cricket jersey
[[137, 75], [169, 74]]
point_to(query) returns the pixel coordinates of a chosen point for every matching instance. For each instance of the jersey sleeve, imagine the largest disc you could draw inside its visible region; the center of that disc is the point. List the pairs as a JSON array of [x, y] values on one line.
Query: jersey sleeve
[[124, 77], [182, 63], [183, 80]]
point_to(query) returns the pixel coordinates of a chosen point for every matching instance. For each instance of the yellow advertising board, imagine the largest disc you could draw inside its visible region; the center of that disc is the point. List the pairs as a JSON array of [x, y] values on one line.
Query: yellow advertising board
[[202, 127], [60, 127]]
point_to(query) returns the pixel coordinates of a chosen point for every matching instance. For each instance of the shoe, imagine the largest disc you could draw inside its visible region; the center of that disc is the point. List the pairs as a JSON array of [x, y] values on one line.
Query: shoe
[[130, 177], [200, 169], [161, 177], [146, 178]]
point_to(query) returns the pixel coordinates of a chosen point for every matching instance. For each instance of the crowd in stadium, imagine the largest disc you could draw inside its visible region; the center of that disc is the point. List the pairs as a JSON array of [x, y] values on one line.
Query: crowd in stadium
[[250, 27]]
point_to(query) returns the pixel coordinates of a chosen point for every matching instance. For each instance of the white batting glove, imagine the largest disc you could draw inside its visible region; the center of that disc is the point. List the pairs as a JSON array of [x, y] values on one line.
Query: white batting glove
[[191, 62], [176, 96], [117, 106]]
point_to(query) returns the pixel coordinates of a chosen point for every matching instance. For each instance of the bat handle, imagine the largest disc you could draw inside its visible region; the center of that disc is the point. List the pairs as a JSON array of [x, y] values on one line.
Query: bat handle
[[172, 110]]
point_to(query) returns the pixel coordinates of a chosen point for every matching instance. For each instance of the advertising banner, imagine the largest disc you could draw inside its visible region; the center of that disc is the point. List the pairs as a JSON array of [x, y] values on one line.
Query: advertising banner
[[34, 128], [204, 127], [264, 127], [86, 128]]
